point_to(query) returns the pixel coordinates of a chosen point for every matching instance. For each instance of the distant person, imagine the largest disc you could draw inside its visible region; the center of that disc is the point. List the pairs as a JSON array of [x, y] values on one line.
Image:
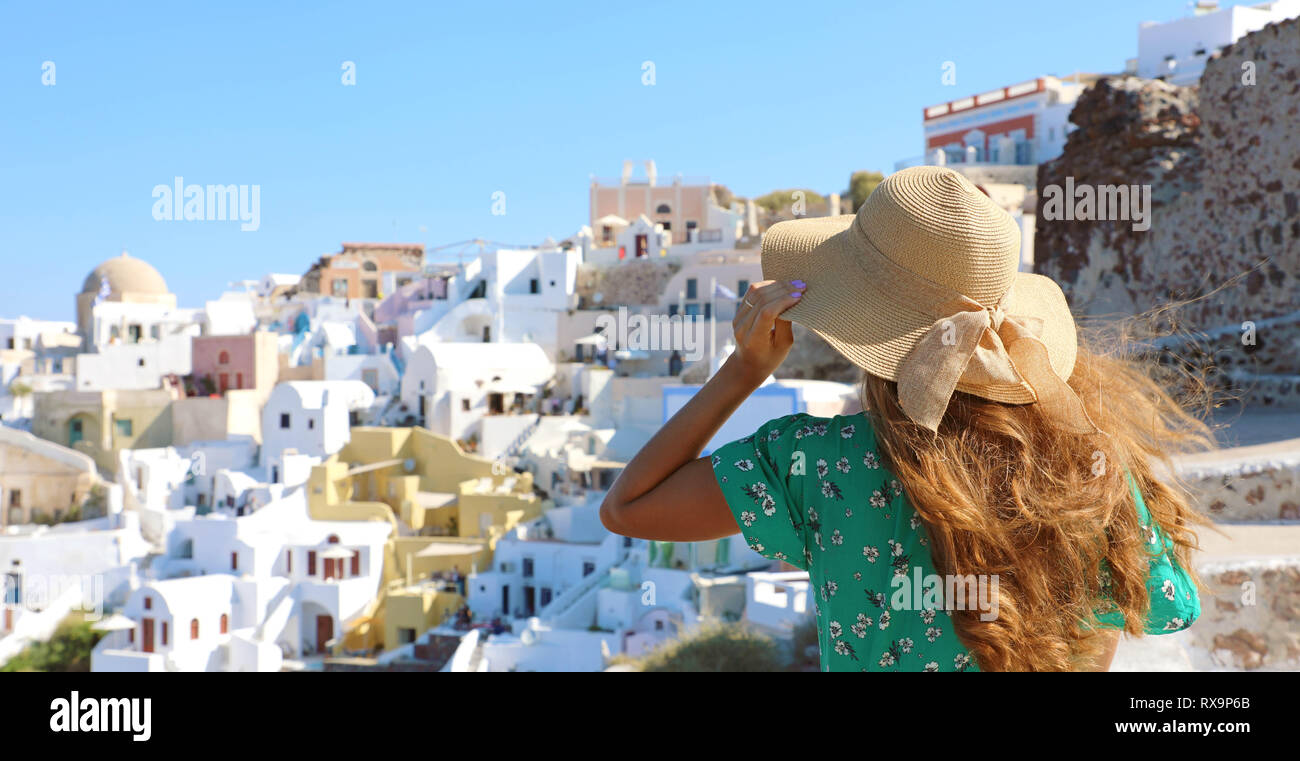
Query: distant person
[[458, 580], [675, 363], [993, 448]]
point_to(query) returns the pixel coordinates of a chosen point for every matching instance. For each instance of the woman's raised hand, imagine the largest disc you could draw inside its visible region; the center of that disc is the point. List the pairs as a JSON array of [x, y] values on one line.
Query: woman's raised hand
[[763, 339]]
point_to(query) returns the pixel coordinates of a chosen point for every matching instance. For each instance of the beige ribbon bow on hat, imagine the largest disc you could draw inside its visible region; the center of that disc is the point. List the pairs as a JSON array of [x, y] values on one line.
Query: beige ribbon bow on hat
[[983, 346]]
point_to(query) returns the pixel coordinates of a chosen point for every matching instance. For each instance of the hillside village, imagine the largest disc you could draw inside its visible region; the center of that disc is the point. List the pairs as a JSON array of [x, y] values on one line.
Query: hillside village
[[394, 461]]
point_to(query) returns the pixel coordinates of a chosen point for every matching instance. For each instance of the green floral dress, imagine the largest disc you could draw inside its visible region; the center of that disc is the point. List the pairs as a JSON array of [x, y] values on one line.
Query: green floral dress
[[812, 491]]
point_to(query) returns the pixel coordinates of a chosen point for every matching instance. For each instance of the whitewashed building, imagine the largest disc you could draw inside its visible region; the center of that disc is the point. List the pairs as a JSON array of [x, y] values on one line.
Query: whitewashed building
[[311, 418]]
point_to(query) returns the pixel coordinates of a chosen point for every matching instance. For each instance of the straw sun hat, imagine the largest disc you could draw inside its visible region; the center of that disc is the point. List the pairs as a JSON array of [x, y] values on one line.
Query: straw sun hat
[[922, 287]]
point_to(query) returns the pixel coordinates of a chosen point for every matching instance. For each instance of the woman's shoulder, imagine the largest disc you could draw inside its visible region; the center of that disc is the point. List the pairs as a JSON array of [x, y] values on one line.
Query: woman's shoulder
[[802, 429]]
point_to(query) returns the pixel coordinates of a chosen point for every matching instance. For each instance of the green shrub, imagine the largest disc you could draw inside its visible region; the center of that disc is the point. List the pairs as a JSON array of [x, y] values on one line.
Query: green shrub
[[68, 649], [719, 647]]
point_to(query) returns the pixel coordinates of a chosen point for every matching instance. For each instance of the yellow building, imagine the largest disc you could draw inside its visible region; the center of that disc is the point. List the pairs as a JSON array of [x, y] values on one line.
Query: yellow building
[[40, 479], [447, 508], [103, 423]]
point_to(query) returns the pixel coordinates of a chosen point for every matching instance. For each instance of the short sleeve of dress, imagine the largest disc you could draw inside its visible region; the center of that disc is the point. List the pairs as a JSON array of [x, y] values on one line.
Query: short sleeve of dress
[[1175, 602], [753, 474]]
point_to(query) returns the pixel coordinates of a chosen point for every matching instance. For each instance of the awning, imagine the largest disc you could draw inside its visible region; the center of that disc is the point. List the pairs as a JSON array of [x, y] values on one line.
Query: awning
[[612, 220], [114, 623], [595, 339], [447, 549], [337, 553]]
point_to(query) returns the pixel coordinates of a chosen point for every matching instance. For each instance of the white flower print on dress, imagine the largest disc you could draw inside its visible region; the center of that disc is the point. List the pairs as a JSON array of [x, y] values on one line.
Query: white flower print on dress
[[769, 505], [748, 518], [822, 469], [927, 616], [961, 661], [847, 431], [884, 620], [869, 459], [1169, 589], [878, 500], [906, 644], [831, 491], [842, 465], [871, 554], [887, 660], [745, 465], [932, 666], [1175, 624], [836, 537], [834, 629], [933, 633]]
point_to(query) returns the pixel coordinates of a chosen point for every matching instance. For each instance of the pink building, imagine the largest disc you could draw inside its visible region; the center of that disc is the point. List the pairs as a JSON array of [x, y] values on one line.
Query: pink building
[[681, 207], [237, 362]]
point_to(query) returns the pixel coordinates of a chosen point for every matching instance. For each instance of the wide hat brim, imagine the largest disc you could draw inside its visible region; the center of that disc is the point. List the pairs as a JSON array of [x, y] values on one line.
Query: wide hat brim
[[875, 324]]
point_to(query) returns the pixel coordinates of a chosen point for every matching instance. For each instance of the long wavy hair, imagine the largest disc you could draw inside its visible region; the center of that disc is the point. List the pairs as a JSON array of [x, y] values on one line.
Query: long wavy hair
[[1003, 491]]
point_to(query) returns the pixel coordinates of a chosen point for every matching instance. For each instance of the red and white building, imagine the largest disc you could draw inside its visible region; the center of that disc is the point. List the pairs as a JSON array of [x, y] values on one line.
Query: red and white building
[[1024, 123]]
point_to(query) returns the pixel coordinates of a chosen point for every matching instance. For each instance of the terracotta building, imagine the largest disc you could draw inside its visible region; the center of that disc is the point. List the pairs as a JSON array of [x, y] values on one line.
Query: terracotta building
[[364, 270]]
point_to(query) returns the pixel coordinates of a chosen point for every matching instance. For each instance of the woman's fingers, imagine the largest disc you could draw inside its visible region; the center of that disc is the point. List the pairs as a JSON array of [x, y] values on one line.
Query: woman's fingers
[[762, 307]]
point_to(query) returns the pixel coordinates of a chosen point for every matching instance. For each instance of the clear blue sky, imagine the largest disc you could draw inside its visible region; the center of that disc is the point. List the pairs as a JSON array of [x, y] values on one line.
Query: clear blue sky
[[455, 101]]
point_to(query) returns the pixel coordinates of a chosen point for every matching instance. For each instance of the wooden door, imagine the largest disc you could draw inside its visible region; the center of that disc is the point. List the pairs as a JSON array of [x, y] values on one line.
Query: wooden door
[[146, 640], [324, 632]]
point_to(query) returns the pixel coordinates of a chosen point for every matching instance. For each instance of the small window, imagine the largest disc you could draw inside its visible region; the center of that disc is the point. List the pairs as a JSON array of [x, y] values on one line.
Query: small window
[[288, 562], [225, 624], [528, 568], [148, 603], [164, 632], [464, 404], [355, 570], [234, 561], [339, 287], [15, 497], [663, 208], [284, 420], [194, 628], [139, 362], [223, 358], [692, 288], [534, 286], [123, 427], [311, 423], [588, 568], [741, 287], [333, 539], [311, 562]]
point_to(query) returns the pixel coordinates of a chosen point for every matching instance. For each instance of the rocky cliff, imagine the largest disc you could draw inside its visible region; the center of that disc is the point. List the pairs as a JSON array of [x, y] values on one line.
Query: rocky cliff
[[1222, 161]]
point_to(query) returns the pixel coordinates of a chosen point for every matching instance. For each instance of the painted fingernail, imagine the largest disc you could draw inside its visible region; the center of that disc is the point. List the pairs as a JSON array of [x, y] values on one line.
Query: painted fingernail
[[796, 294], [798, 284]]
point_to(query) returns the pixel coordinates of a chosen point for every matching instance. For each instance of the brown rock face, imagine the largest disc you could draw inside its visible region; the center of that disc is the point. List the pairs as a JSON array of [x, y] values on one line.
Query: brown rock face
[[1223, 164]]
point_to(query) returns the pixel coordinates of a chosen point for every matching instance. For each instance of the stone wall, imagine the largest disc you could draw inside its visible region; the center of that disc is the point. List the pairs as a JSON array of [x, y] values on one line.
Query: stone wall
[[1223, 164]]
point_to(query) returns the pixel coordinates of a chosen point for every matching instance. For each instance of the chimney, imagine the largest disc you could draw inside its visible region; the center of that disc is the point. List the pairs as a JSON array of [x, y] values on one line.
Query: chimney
[[627, 171], [650, 172], [833, 208]]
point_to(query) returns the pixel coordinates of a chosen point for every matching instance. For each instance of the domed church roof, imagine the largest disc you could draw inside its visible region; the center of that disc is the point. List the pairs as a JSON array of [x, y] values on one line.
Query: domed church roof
[[126, 274]]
